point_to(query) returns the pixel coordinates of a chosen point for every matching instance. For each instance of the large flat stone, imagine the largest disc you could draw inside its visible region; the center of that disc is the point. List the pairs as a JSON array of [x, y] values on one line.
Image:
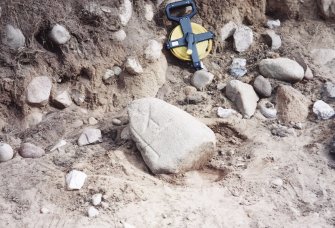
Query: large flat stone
[[169, 139]]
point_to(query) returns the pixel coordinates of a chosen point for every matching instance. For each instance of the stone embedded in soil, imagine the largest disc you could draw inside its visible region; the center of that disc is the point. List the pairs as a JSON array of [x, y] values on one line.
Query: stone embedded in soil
[[226, 112], [263, 86], [277, 182], [90, 136], [133, 66], [238, 67], [59, 34], [126, 11], [78, 97], [75, 180], [116, 122], [292, 106], [329, 90], [13, 37], [309, 74], [243, 38], [272, 24], [228, 30], [92, 121], [201, 79], [327, 8], [117, 70], [33, 118], [283, 69], [119, 35], [243, 96], [58, 145], [148, 12], [92, 212], [62, 100], [28, 150], [267, 109], [274, 39], [323, 56], [6, 152], [38, 90], [183, 144], [125, 133], [153, 50], [96, 199], [323, 110], [109, 74]]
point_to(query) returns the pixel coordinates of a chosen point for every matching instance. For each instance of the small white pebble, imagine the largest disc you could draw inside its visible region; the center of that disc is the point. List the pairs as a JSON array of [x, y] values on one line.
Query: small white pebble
[[277, 182], [45, 210], [92, 212], [96, 199]]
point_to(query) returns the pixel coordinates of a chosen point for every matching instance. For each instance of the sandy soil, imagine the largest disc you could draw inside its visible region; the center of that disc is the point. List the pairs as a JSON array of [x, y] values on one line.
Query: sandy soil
[[239, 185]]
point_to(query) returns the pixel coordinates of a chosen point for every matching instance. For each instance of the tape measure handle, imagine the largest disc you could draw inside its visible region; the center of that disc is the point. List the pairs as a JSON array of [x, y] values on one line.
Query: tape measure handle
[[178, 5]]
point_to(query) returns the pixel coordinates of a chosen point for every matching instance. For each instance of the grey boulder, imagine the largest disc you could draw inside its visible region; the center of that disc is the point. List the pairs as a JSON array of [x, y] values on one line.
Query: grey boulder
[[29, 150], [38, 90], [283, 69], [169, 139], [263, 86], [13, 37]]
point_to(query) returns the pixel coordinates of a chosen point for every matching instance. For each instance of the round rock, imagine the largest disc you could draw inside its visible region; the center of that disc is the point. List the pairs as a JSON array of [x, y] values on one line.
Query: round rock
[[283, 69], [201, 79], [6, 152], [323, 110], [29, 150], [38, 90], [59, 34], [13, 37], [263, 86]]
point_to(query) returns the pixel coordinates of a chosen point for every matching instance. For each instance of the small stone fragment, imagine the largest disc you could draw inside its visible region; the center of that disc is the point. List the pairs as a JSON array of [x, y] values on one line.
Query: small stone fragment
[[45, 210], [78, 97], [33, 118], [92, 121], [6, 152], [274, 39], [263, 86], [201, 79], [243, 38], [58, 145], [244, 97], [225, 113], [133, 66], [153, 50], [29, 150], [92, 212], [117, 70], [228, 30], [126, 11], [282, 69], [277, 182], [96, 199], [13, 37], [330, 90], [309, 74], [238, 67], [323, 110], [62, 100], [119, 35], [116, 122], [59, 34], [38, 90], [267, 109], [90, 136], [75, 180], [125, 133], [272, 24], [148, 12], [109, 74]]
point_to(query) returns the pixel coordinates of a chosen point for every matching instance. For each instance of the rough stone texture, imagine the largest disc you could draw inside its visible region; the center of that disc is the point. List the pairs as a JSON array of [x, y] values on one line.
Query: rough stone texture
[[92, 212], [263, 86], [273, 39], [59, 34], [244, 97], [327, 8], [133, 66], [29, 150], [292, 106], [13, 37], [228, 30], [90, 136], [119, 35], [153, 50], [75, 180], [126, 11], [38, 90], [323, 110], [267, 109], [170, 140], [272, 24], [243, 38], [201, 79], [282, 69], [148, 12], [225, 113], [96, 199], [238, 67], [6, 152], [323, 56], [62, 100], [309, 74], [329, 90]]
